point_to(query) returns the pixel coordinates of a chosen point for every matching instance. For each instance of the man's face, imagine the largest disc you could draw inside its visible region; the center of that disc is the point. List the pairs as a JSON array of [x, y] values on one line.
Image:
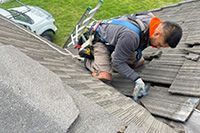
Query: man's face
[[157, 39]]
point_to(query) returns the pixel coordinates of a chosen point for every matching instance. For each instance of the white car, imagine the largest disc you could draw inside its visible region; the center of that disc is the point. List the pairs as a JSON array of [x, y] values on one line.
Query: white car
[[33, 18]]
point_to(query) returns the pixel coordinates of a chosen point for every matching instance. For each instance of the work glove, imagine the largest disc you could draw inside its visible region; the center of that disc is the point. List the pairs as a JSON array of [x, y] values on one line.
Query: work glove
[[139, 89]]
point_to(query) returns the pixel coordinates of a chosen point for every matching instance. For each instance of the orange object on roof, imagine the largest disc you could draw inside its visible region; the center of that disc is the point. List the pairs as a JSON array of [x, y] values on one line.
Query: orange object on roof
[[153, 25]]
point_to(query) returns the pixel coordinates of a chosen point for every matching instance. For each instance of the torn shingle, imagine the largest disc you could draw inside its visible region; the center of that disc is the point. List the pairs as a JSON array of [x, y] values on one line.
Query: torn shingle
[[150, 53]]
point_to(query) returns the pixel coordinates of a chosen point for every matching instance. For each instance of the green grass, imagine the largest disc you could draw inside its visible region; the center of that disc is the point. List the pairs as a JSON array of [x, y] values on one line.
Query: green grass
[[68, 12]]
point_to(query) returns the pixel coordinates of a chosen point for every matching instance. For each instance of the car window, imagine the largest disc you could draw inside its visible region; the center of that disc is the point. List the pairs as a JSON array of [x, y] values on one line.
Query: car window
[[21, 16]]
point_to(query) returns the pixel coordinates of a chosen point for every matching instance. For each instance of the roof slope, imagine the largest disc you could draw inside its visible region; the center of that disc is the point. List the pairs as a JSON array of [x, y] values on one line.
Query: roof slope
[[32, 95], [72, 74], [176, 70], [169, 71], [159, 71]]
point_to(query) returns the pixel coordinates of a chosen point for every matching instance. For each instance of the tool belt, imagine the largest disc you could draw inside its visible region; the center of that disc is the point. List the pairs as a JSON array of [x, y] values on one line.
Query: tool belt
[[85, 48]]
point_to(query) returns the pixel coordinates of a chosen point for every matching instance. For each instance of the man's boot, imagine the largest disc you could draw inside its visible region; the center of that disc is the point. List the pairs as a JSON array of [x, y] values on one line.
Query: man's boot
[[103, 76]]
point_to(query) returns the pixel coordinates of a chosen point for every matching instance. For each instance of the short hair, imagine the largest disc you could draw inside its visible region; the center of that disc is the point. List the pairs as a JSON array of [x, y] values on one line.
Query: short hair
[[172, 33]]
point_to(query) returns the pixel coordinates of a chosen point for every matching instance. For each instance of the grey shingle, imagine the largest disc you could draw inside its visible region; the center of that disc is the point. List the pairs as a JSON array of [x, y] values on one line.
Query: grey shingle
[[92, 118], [152, 128], [38, 87], [187, 81], [160, 102], [190, 126], [17, 115], [164, 69]]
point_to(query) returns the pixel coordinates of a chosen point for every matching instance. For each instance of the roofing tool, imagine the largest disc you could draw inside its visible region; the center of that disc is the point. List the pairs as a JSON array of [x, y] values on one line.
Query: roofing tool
[[141, 92]]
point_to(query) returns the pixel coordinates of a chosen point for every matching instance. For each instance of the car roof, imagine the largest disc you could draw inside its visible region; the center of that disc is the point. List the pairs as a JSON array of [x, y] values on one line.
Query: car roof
[[5, 13], [35, 13]]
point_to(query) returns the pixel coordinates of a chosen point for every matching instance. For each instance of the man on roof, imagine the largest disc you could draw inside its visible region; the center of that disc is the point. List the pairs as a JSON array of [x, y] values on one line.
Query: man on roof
[[119, 44]]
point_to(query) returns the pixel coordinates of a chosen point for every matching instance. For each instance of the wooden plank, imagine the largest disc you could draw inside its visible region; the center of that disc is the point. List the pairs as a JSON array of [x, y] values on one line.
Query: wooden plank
[[160, 102]]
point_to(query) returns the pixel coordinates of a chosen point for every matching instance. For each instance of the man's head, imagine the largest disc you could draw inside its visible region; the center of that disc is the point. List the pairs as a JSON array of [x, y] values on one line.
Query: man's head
[[167, 34]]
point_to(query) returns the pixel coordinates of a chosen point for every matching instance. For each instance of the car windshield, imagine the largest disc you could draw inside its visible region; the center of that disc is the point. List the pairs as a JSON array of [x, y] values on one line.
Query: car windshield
[[21, 16]]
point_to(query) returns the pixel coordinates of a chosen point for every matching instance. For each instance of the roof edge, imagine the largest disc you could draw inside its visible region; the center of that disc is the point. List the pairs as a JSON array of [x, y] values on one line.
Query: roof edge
[[173, 5], [63, 52]]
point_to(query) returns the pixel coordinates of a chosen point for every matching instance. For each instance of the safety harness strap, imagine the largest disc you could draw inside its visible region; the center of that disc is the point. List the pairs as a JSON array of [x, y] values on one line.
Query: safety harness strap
[[131, 27], [127, 24]]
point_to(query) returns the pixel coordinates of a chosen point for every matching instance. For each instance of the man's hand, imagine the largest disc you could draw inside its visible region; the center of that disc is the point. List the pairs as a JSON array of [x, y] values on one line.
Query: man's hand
[[139, 89]]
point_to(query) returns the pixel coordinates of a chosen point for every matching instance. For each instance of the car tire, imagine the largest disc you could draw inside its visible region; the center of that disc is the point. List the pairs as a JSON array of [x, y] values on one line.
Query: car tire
[[48, 35]]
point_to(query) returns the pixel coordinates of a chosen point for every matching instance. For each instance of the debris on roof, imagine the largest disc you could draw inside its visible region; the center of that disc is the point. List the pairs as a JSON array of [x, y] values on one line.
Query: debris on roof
[[193, 57], [149, 55]]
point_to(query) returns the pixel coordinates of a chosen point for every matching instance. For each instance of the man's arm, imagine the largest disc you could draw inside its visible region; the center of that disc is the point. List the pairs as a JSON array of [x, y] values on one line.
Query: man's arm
[[127, 43]]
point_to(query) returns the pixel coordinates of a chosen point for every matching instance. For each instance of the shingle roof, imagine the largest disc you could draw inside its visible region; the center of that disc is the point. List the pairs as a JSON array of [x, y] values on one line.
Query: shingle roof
[[72, 74], [163, 71], [31, 89], [176, 71]]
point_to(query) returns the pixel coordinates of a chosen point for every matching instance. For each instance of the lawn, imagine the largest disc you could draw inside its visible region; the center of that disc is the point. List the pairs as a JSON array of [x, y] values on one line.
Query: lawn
[[68, 12]]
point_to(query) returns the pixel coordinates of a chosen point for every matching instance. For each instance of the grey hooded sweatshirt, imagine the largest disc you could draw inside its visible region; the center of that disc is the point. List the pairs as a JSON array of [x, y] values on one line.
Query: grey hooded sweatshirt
[[125, 42]]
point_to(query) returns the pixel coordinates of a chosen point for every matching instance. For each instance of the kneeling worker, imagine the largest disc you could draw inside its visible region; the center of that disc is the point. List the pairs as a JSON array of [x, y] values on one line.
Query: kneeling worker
[[120, 42]]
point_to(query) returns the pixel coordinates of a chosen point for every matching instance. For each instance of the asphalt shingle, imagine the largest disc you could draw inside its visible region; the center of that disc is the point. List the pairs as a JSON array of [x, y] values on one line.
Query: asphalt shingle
[[187, 81], [92, 118], [16, 115], [161, 103], [39, 89], [160, 71]]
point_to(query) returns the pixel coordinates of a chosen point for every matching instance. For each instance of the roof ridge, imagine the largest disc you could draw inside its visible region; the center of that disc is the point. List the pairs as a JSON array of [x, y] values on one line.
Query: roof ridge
[[174, 5]]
